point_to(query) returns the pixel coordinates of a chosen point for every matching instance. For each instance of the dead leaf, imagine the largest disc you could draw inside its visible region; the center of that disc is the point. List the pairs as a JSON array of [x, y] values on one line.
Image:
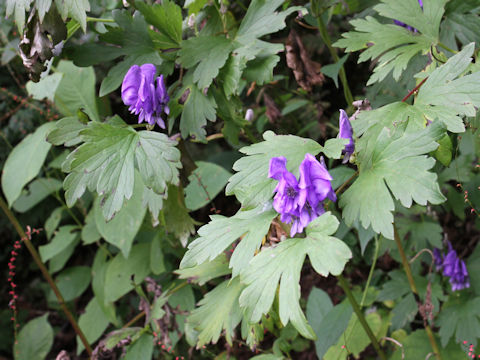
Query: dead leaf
[[272, 111], [306, 71]]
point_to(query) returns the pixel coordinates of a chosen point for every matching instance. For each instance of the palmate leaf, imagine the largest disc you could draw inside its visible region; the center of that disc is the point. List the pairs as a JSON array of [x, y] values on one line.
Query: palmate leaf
[[218, 311], [18, 7], [251, 184], [283, 264], [76, 9], [221, 232], [394, 45], [106, 160], [398, 163]]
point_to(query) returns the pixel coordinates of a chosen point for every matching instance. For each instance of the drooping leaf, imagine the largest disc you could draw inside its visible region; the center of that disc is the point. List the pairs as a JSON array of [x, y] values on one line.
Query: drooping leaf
[[119, 273], [24, 162], [105, 162], [62, 239], [218, 311], [66, 132], [221, 232], [177, 219], [398, 164], [38, 190], [141, 348], [394, 45], [34, 340], [71, 282], [318, 305], [121, 230], [92, 322], [251, 184], [76, 9], [283, 263], [76, 90], [19, 7], [45, 88], [206, 181]]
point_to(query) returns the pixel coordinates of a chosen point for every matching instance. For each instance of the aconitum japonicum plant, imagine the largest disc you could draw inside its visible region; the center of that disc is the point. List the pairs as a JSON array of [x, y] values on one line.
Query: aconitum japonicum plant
[[346, 132], [143, 97]]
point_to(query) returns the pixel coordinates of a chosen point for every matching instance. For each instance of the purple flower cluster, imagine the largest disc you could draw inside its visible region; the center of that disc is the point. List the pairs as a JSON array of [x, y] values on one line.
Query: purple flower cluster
[[453, 267], [346, 132], [142, 96], [408, 27], [300, 202]]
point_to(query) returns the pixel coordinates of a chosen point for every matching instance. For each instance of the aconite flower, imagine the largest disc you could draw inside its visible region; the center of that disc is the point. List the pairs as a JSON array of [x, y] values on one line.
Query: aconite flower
[[142, 96], [452, 267], [346, 132], [300, 202]]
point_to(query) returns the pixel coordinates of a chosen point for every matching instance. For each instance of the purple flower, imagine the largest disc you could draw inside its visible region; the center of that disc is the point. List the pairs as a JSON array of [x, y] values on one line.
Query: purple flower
[[438, 259], [300, 202], [408, 27], [140, 94], [456, 269], [346, 132]]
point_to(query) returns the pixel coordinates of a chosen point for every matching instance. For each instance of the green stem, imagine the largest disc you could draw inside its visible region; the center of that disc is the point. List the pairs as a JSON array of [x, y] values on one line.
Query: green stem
[[45, 274], [343, 76], [413, 287], [92, 19], [447, 48], [372, 268], [346, 287]]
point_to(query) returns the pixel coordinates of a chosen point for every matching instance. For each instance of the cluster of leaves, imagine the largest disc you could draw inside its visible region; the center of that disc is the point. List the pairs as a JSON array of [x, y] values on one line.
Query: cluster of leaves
[[238, 277]]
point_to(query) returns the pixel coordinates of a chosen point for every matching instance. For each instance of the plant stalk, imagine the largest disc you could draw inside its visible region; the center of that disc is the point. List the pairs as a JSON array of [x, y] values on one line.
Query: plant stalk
[[413, 287], [343, 76], [346, 287], [372, 269], [45, 274]]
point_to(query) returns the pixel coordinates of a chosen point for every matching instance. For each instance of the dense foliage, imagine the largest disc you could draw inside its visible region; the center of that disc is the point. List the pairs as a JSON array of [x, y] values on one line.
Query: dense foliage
[[214, 179]]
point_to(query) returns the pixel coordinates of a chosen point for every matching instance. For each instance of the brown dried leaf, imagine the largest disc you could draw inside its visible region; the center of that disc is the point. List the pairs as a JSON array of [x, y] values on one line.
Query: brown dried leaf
[[306, 71], [272, 112]]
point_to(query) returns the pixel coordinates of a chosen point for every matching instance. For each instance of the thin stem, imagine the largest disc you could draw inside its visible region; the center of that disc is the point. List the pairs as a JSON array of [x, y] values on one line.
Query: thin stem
[[346, 287], [443, 46], [413, 287], [45, 274], [414, 89], [92, 19], [372, 269], [345, 184], [343, 76]]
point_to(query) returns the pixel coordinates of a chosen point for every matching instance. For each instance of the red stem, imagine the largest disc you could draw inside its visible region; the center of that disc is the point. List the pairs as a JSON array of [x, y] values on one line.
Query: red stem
[[414, 89]]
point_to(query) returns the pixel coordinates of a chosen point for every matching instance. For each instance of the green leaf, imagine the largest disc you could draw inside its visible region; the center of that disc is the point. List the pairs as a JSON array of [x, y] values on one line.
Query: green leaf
[[331, 327], [283, 264], [251, 184], [76, 9], [157, 262], [262, 19], [221, 232], [45, 88], [66, 132], [76, 90], [393, 45], [71, 282], [209, 52], [116, 336], [447, 96], [92, 322], [197, 109], [18, 7], [206, 271], [53, 221], [177, 220], [167, 18], [332, 70], [24, 162], [106, 160], [58, 262], [398, 164], [261, 68], [444, 151], [420, 232], [206, 181], [99, 270], [218, 311], [118, 277], [121, 230], [141, 348], [34, 340], [38, 190], [62, 239], [354, 338], [183, 299], [460, 316], [90, 232], [318, 305]]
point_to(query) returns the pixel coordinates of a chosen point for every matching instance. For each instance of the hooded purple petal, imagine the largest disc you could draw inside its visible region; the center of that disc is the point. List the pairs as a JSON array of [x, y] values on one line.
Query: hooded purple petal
[[346, 132]]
